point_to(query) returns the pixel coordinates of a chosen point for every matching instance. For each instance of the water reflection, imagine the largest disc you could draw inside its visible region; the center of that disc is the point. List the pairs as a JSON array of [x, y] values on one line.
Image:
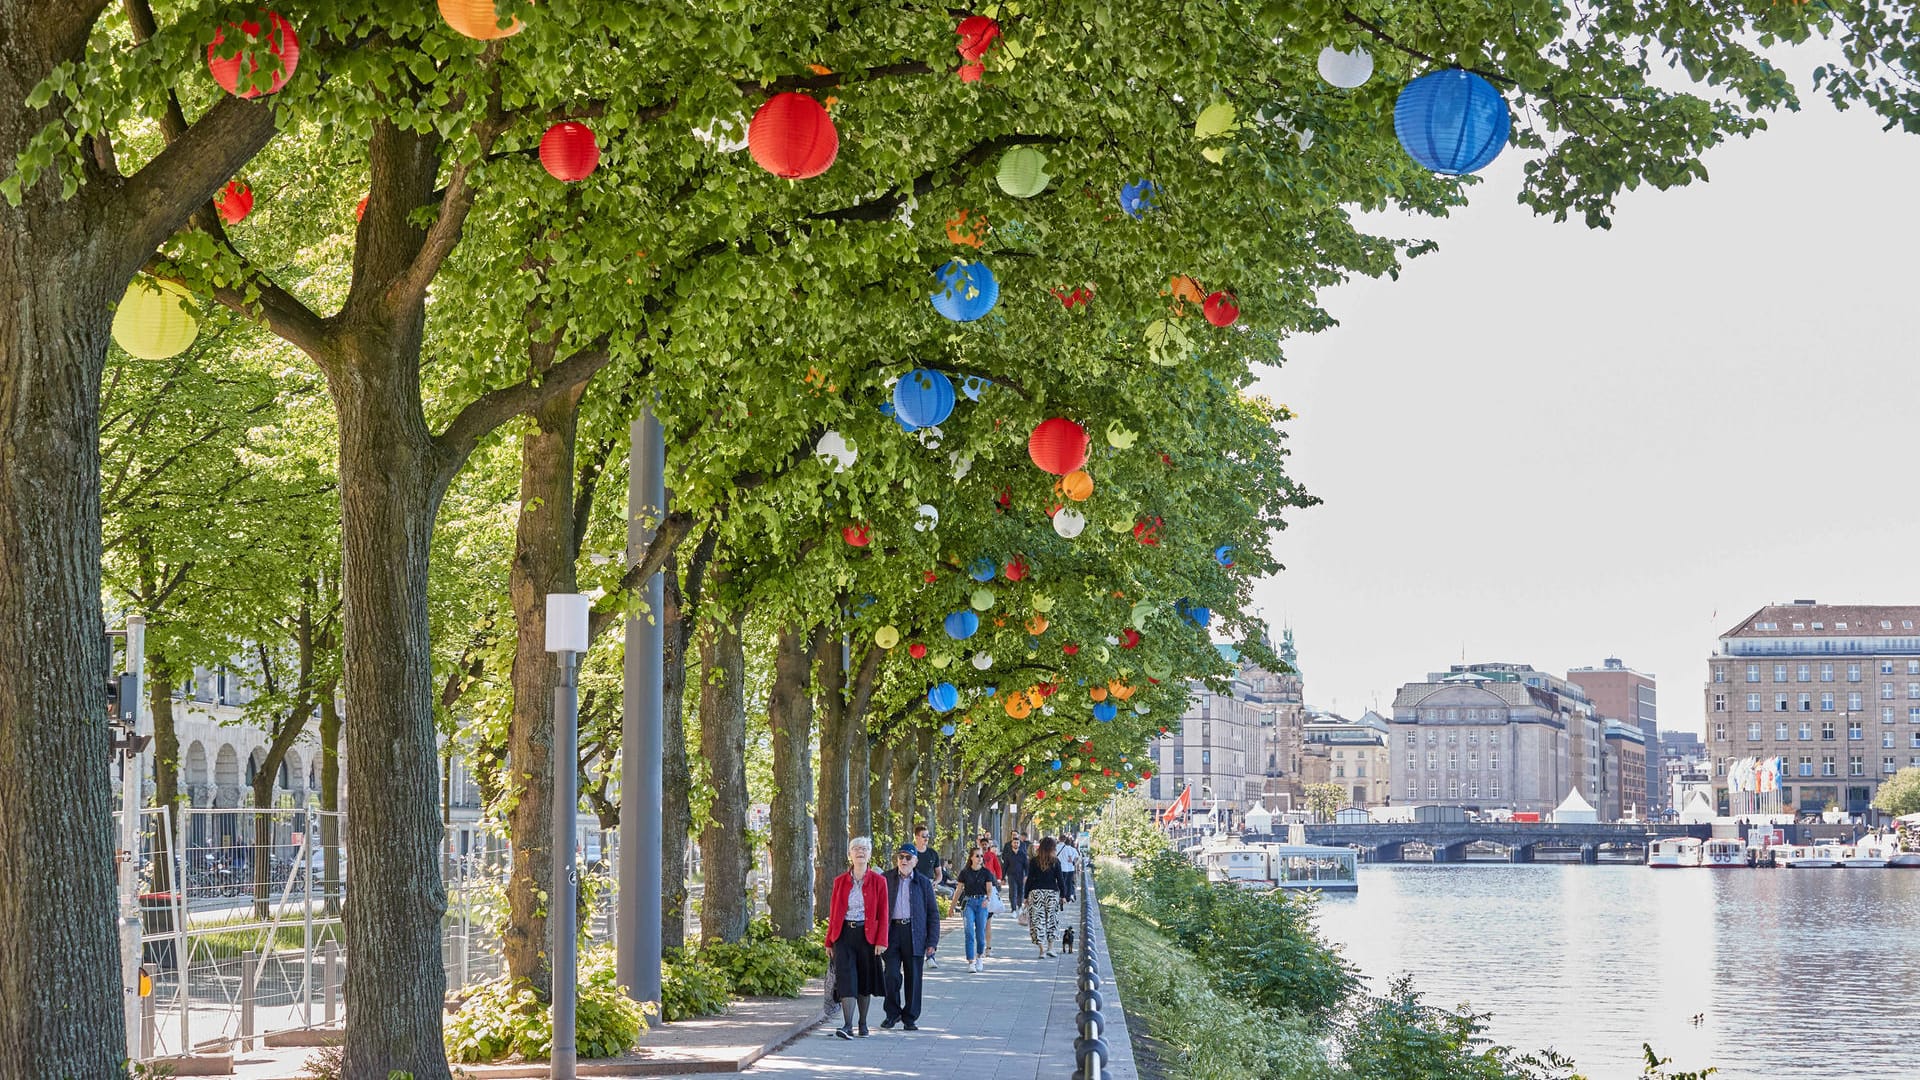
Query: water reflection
[[1763, 973]]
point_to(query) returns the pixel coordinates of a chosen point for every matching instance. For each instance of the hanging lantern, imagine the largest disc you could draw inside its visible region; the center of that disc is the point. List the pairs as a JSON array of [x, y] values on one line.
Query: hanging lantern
[[1141, 612], [1158, 669], [943, 697], [946, 729], [967, 290], [1137, 198], [1023, 172], [886, 637], [981, 569], [1147, 531], [1058, 446], [923, 397], [234, 202], [1120, 690], [1069, 523], [942, 660], [928, 520], [1082, 294], [959, 233], [1119, 437], [282, 44], [962, 625], [1105, 712], [792, 137], [477, 19], [1216, 121], [1183, 288], [1019, 770], [981, 600], [1043, 603], [1017, 706], [1140, 708], [1346, 70], [1221, 308], [1076, 485], [1055, 764], [1129, 638], [977, 35], [834, 447], [155, 319], [1017, 569], [973, 386], [917, 651], [360, 208], [1037, 625], [1453, 122], [981, 662], [857, 535], [1168, 343], [568, 151], [1224, 555], [1097, 693]]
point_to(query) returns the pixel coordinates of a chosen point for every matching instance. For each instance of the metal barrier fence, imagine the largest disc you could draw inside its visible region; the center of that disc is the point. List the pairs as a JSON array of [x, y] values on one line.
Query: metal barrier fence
[[1089, 1046]]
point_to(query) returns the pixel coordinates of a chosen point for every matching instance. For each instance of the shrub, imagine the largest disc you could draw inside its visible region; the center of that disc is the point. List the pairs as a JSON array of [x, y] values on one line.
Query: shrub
[[766, 968], [504, 1017], [1127, 829], [689, 987]]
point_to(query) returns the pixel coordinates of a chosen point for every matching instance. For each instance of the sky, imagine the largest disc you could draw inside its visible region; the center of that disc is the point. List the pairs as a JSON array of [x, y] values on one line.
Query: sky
[[1547, 444]]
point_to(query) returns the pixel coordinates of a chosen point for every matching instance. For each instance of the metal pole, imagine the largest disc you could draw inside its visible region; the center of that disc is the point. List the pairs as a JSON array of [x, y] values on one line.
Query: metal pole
[[132, 773], [562, 909], [643, 741]]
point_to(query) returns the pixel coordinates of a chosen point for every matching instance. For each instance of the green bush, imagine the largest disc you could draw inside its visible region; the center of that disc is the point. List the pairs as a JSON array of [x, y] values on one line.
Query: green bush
[[689, 987], [504, 1018], [1127, 829], [766, 968]]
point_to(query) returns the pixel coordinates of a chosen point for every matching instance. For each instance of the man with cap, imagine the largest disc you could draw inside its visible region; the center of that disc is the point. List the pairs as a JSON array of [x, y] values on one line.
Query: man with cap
[[911, 937]]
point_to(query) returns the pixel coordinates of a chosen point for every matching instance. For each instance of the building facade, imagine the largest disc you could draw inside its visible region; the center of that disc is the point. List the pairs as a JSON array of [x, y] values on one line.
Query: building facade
[[1281, 697], [1495, 736], [1350, 753], [1627, 795], [1832, 689], [1618, 692]]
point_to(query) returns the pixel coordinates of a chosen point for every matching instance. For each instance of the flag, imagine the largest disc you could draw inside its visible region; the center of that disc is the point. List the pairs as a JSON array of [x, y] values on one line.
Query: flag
[[1180, 805]]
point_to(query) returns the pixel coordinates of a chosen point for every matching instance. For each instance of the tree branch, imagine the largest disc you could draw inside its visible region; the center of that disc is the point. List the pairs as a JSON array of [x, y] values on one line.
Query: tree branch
[[157, 199], [671, 532], [496, 407]]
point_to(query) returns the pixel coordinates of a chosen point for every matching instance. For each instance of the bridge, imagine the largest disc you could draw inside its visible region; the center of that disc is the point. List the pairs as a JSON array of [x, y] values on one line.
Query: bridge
[[1384, 841]]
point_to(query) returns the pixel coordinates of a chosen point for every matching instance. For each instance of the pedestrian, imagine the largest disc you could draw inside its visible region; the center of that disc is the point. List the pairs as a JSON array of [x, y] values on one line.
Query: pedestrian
[[1069, 857], [856, 936], [1013, 858], [927, 864], [994, 866], [913, 932], [1043, 897], [976, 884]]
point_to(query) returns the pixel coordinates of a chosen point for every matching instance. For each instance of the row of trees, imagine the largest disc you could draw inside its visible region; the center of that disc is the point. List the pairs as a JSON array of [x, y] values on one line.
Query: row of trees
[[484, 335]]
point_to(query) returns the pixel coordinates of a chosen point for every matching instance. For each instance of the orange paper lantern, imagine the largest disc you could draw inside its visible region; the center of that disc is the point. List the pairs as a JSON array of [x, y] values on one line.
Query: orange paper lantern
[[477, 19], [1098, 693], [1076, 485], [1037, 625]]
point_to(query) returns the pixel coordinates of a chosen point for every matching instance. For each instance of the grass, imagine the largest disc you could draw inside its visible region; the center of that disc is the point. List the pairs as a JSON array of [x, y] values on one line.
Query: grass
[[230, 937]]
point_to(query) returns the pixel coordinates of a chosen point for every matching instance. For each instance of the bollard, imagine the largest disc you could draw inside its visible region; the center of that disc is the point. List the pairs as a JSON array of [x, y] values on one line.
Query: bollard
[[329, 976], [248, 962]]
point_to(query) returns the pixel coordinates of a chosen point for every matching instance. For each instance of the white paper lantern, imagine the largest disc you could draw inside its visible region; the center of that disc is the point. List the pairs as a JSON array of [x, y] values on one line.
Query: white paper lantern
[[1346, 70], [1069, 523], [929, 518], [728, 136], [981, 661], [834, 447], [962, 465], [929, 437]]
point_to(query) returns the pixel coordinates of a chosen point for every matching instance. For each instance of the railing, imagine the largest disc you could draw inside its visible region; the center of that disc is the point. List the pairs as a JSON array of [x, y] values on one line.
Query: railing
[[1089, 1047]]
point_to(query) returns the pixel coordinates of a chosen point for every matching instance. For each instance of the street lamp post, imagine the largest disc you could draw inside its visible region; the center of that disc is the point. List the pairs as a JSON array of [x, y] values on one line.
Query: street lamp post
[[567, 616]]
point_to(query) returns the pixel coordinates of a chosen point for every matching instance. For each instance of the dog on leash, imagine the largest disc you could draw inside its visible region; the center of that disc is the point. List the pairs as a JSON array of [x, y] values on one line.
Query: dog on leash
[[1066, 940]]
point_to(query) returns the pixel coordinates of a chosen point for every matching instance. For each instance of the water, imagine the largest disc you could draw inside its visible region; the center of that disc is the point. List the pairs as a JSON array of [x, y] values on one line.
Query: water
[[1803, 974]]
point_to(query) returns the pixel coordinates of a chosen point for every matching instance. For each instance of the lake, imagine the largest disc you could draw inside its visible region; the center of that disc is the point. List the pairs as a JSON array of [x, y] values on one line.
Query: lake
[[1766, 974]]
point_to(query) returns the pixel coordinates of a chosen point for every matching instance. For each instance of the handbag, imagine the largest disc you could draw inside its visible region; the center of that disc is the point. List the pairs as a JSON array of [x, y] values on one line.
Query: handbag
[[995, 905], [1023, 918]]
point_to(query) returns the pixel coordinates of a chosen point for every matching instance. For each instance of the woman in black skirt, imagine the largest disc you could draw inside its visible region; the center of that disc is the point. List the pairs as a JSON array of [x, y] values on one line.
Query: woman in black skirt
[[856, 936]]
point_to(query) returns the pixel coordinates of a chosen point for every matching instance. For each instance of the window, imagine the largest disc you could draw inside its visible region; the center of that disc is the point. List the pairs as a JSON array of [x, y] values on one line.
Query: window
[[1913, 715], [1453, 714], [1853, 731], [1856, 767], [1719, 733], [1914, 740], [1453, 760], [1719, 674], [1780, 702], [1719, 703], [1473, 761], [1885, 625], [1412, 740], [1360, 769], [1853, 701], [1780, 731], [1826, 672], [1753, 672], [1473, 738], [1806, 766], [1913, 667], [1206, 757], [1493, 785], [1826, 731], [1886, 740], [1753, 731], [1806, 731], [1493, 761], [1473, 789], [1453, 738], [1453, 789], [1887, 765], [1433, 738], [1853, 672], [1886, 691], [1913, 691], [1826, 701], [1753, 702], [1806, 702], [1886, 666], [1886, 714], [1779, 673], [1473, 716], [1340, 771], [1433, 786], [1803, 673], [1826, 765], [1431, 761]]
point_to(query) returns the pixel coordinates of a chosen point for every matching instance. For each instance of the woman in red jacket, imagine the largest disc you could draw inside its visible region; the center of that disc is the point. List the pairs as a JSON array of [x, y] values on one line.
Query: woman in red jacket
[[856, 936]]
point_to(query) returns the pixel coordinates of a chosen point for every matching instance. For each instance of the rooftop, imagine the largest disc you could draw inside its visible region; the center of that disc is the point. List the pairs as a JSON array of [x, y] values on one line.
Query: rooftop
[[1807, 618]]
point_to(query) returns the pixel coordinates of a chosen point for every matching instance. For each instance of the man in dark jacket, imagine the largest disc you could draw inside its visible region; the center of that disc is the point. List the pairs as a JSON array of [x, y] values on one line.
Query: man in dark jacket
[[1013, 858], [911, 938]]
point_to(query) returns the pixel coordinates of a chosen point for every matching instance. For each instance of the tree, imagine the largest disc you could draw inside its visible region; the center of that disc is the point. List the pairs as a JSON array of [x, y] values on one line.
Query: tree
[[1900, 795], [1324, 800]]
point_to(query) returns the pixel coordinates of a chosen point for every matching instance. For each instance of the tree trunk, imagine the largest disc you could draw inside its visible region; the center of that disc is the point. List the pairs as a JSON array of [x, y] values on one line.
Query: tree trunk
[[790, 892], [166, 762], [542, 563], [725, 906], [330, 868], [906, 756], [859, 747], [829, 821], [680, 617], [390, 490], [881, 771]]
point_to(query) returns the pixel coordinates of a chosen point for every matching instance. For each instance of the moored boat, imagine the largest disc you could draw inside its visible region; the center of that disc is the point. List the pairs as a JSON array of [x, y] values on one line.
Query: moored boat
[[1673, 852], [1724, 853], [1820, 857]]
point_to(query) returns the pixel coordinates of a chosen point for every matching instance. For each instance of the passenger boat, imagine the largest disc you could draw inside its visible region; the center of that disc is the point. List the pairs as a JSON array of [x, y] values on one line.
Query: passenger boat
[[1906, 830], [1871, 853], [1820, 856], [1724, 853], [1311, 866], [1673, 852], [1233, 862]]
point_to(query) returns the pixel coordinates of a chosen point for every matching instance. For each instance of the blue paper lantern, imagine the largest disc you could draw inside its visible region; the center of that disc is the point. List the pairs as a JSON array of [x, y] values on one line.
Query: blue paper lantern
[[943, 697], [887, 409], [946, 729], [1054, 764], [973, 386], [1224, 555], [1137, 198], [1453, 122], [967, 290], [1199, 616], [1105, 711], [962, 624], [923, 397], [982, 569], [992, 690]]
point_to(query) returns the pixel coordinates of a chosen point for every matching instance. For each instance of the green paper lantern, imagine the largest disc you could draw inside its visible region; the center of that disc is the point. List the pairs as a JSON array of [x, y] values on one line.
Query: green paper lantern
[[1023, 172], [942, 660], [982, 599], [1216, 121], [155, 319], [1119, 437], [1140, 612], [886, 637], [1120, 525], [1167, 343], [1157, 668], [1042, 603]]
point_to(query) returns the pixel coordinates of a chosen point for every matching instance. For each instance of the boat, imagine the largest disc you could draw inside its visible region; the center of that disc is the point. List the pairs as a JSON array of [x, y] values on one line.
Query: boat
[[1724, 853], [1312, 866], [1871, 853], [1820, 856], [1674, 851], [1233, 862], [1906, 831]]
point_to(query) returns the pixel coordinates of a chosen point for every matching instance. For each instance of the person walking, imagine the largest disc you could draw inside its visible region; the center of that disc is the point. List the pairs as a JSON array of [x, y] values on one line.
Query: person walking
[[1043, 897], [928, 864], [992, 863], [1014, 858], [856, 935], [1069, 862], [913, 932], [975, 884]]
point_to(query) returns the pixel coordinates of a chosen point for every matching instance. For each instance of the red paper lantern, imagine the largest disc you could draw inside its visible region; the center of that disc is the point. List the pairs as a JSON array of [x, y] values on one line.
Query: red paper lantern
[[977, 35], [1070, 650], [972, 72], [1148, 775], [1080, 295], [1129, 638], [1147, 531], [857, 535], [1048, 689], [930, 577], [282, 43], [234, 202], [360, 208], [791, 136], [1019, 770], [1040, 794], [1058, 446], [1016, 570], [1221, 308], [917, 651], [568, 151]]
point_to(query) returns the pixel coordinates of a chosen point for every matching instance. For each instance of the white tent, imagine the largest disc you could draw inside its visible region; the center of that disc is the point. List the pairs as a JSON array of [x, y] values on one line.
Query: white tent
[[1698, 811], [1259, 819], [1576, 810]]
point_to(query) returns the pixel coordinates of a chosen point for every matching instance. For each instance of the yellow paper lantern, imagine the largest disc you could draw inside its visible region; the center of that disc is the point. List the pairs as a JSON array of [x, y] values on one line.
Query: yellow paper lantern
[[155, 319]]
